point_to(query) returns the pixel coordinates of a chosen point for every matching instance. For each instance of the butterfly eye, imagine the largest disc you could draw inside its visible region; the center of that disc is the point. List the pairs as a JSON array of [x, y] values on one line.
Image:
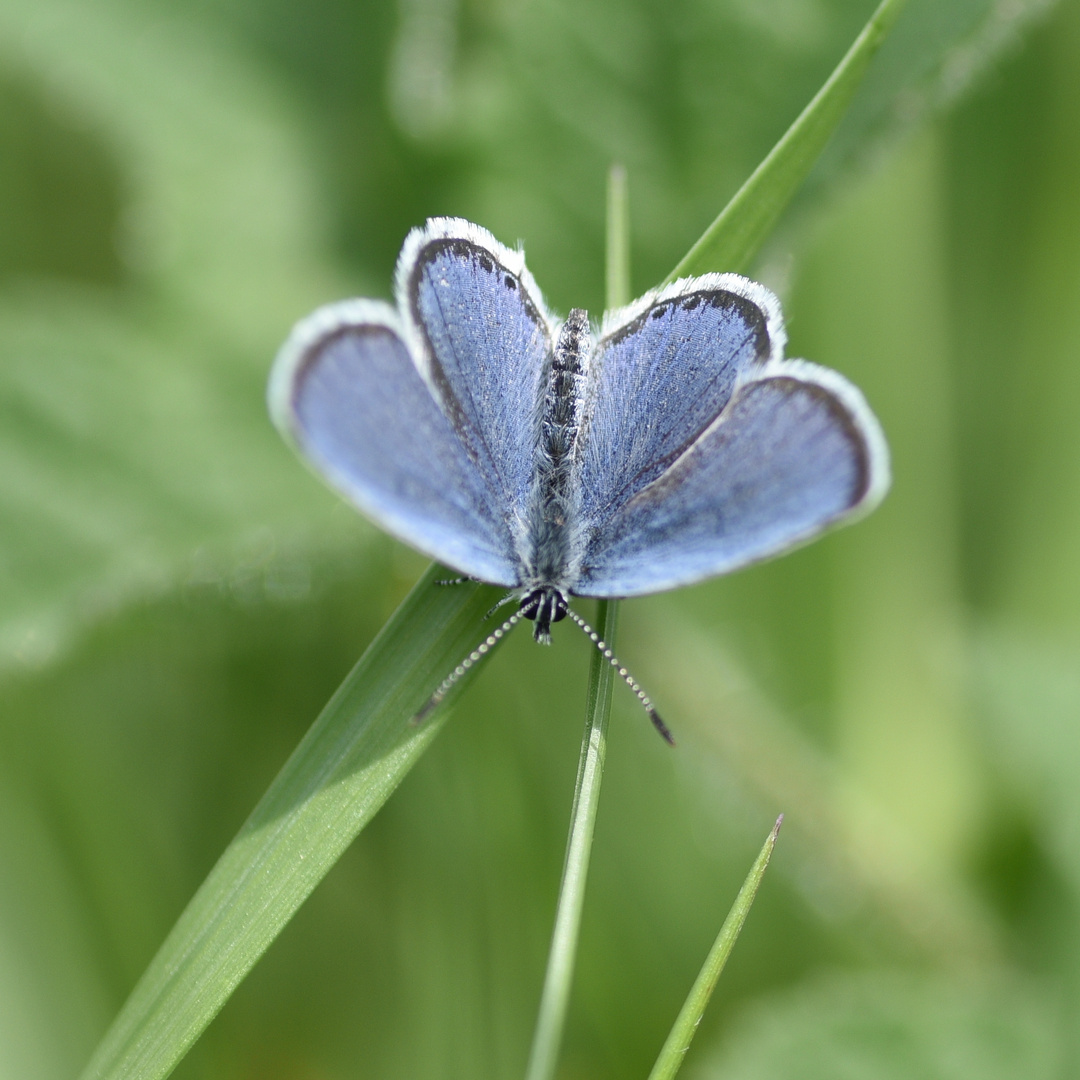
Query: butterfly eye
[[559, 609], [530, 605], [546, 604]]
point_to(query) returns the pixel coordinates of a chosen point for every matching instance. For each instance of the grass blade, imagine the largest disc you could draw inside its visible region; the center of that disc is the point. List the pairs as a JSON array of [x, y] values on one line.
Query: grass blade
[[617, 255], [733, 239], [678, 1042], [560, 970], [344, 769]]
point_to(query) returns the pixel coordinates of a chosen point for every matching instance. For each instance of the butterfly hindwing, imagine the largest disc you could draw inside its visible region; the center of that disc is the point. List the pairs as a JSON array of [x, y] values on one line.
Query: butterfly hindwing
[[347, 390], [795, 450]]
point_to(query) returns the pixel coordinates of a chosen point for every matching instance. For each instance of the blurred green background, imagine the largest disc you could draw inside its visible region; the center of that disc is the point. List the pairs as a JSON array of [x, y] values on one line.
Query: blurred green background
[[178, 597]]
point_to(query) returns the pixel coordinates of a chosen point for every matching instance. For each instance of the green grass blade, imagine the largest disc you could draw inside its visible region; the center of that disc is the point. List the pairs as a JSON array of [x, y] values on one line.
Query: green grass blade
[[733, 239], [344, 769], [678, 1042], [617, 255], [560, 969]]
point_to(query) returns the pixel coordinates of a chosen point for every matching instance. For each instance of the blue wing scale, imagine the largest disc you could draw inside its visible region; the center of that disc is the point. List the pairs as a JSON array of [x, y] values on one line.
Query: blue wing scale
[[662, 372]]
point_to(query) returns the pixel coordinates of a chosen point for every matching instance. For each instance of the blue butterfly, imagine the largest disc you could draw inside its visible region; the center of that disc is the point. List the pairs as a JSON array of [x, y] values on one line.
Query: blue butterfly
[[523, 451]]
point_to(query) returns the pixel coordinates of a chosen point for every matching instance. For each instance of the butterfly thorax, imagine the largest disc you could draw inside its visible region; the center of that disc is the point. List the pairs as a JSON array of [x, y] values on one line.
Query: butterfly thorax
[[552, 513]]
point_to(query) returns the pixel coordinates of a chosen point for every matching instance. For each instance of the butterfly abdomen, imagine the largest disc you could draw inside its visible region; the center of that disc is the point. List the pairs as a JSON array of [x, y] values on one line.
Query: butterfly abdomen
[[552, 507]]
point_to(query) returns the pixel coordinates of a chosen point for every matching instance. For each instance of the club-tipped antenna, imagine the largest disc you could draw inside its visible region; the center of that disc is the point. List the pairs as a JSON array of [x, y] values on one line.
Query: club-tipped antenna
[[477, 654], [613, 660], [496, 635]]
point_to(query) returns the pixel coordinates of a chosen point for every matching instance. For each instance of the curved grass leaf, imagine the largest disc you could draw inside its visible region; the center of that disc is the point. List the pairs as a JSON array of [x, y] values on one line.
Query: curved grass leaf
[[735, 236], [342, 772]]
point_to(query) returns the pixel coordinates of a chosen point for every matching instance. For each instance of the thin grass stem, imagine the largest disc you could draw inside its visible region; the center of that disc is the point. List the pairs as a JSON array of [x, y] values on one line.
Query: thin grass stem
[[686, 1024], [560, 969], [617, 255]]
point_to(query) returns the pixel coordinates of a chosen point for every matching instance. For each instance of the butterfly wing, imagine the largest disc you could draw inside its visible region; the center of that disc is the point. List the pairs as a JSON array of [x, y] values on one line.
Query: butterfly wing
[[425, 417], [750, 454], [348, 394], [662, 372], [483, 340]]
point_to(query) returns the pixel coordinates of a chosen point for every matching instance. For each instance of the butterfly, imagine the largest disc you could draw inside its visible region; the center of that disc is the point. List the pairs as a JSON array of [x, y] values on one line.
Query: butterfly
[[673, 444]]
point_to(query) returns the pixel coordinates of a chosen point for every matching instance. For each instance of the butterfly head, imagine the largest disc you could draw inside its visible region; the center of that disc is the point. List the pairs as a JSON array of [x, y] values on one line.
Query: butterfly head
[[544, 605]]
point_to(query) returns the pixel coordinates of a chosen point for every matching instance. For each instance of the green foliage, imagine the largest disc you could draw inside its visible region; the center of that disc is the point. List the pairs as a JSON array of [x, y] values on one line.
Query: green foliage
[[885, 1027], [178, 599], [733, 240], [346, 767]]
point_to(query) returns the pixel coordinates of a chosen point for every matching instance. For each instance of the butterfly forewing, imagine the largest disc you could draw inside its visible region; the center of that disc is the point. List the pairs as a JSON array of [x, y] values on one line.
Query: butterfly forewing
[[662, 372], [486, 341]]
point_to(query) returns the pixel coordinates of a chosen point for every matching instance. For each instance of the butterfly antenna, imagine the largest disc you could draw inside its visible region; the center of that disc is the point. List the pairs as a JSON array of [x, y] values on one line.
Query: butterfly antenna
[[613, 660], [476, 655]]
